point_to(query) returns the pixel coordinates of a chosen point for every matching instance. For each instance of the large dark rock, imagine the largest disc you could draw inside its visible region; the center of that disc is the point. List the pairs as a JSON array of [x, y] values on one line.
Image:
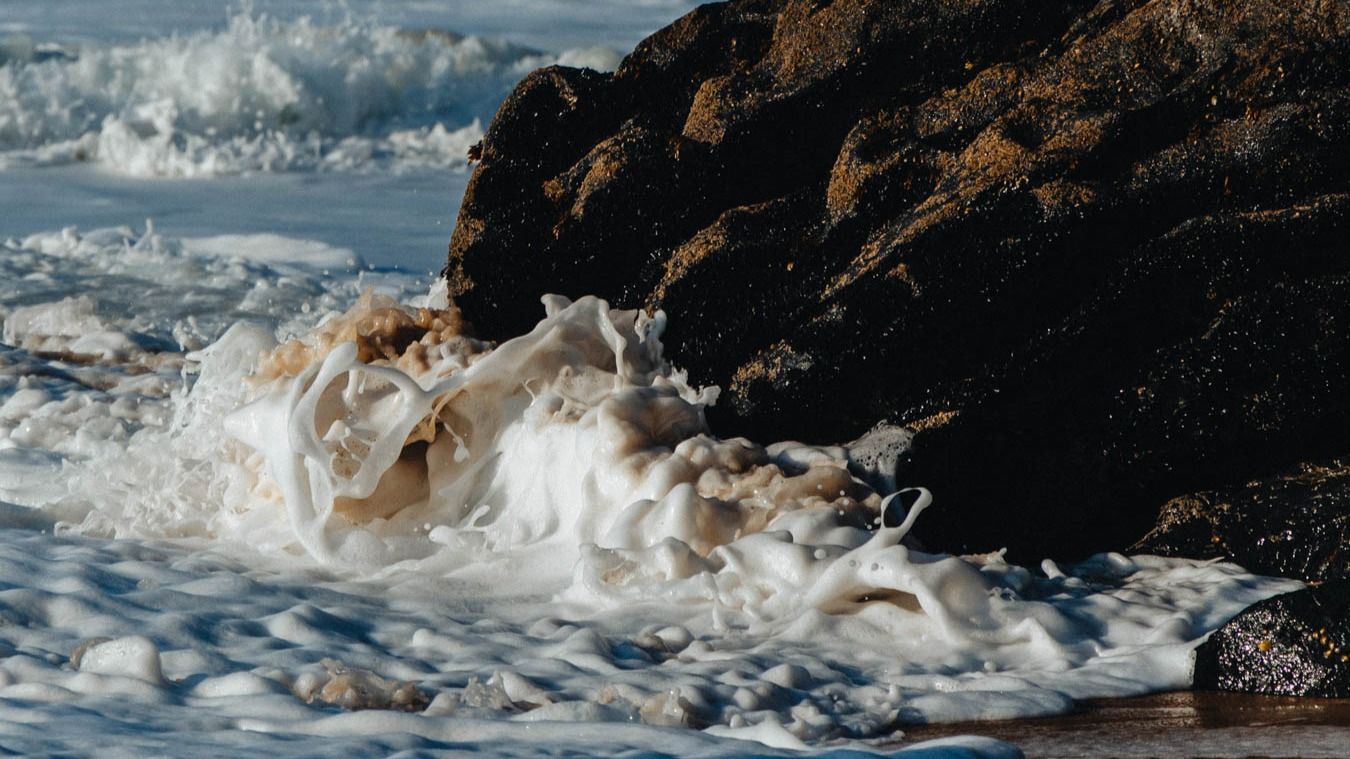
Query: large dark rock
[[1297, 644], [1093, 253]]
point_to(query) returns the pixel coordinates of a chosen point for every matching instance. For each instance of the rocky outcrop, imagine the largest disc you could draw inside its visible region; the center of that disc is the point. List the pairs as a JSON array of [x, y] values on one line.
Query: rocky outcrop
[[1296, 525], [1297, 644], [1092, 254]]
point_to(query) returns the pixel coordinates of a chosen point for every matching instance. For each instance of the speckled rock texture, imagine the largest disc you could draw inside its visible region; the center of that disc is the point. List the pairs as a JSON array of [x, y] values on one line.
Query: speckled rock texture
[[1297, 525], [1092, 254], [1297, 644]]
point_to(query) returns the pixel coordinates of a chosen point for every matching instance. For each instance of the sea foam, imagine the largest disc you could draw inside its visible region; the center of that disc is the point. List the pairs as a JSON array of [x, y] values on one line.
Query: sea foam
[[491, 536], [261, 95]]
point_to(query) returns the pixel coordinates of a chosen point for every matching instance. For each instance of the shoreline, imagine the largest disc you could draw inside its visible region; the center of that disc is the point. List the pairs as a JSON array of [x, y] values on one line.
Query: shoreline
[[1178, 723]]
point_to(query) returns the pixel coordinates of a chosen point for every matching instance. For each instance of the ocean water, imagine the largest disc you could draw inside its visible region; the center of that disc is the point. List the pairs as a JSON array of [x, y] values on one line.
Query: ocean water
[[261, 490]]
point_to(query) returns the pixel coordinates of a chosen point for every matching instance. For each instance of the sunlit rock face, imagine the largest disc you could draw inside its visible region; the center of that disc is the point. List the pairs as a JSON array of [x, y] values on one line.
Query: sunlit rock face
[[1090, 253]]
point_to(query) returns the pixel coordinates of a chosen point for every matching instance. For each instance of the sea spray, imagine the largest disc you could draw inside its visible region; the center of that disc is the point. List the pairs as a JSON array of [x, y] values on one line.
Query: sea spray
[[264, 94]]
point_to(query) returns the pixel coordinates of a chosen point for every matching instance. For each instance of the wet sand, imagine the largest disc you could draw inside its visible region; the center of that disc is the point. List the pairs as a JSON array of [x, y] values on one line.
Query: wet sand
[[1181, 724]]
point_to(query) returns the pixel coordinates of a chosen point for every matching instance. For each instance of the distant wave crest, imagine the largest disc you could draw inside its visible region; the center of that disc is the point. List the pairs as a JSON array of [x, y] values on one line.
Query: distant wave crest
[[264, 94]]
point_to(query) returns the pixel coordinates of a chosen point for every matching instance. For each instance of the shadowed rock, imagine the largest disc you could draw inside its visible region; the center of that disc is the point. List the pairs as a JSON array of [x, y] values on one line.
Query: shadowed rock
[[1292, 526], [1297, 644], [1092, 254]]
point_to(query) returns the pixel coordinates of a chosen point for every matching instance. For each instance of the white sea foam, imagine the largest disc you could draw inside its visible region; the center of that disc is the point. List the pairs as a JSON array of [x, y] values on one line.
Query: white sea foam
[[261, 95], [183, 650], [513, 535], [96, 326]]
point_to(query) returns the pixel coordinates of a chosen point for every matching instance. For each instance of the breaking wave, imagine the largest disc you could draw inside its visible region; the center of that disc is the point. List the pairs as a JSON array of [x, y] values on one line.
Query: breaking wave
[[264, 94]]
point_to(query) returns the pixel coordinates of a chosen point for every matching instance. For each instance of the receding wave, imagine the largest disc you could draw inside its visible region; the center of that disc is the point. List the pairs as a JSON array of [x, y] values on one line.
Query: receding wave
[[264, 94]]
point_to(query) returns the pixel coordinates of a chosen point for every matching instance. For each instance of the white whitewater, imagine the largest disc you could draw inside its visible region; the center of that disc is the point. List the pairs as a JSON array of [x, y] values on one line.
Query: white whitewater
[[539, 532], [261, 95]]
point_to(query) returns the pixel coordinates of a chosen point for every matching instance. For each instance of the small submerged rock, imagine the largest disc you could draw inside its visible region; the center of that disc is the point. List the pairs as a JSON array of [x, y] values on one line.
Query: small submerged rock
[[1296, 644], [357, 689]]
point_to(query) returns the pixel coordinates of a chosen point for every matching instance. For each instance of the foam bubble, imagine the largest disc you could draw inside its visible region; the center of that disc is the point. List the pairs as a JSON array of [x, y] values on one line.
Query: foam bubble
[[133, 656]]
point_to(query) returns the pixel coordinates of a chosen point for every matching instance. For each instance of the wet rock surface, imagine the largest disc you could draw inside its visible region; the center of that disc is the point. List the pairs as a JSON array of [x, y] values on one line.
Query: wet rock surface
[[1092, 254], [1297, 644], [1296, 526]]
